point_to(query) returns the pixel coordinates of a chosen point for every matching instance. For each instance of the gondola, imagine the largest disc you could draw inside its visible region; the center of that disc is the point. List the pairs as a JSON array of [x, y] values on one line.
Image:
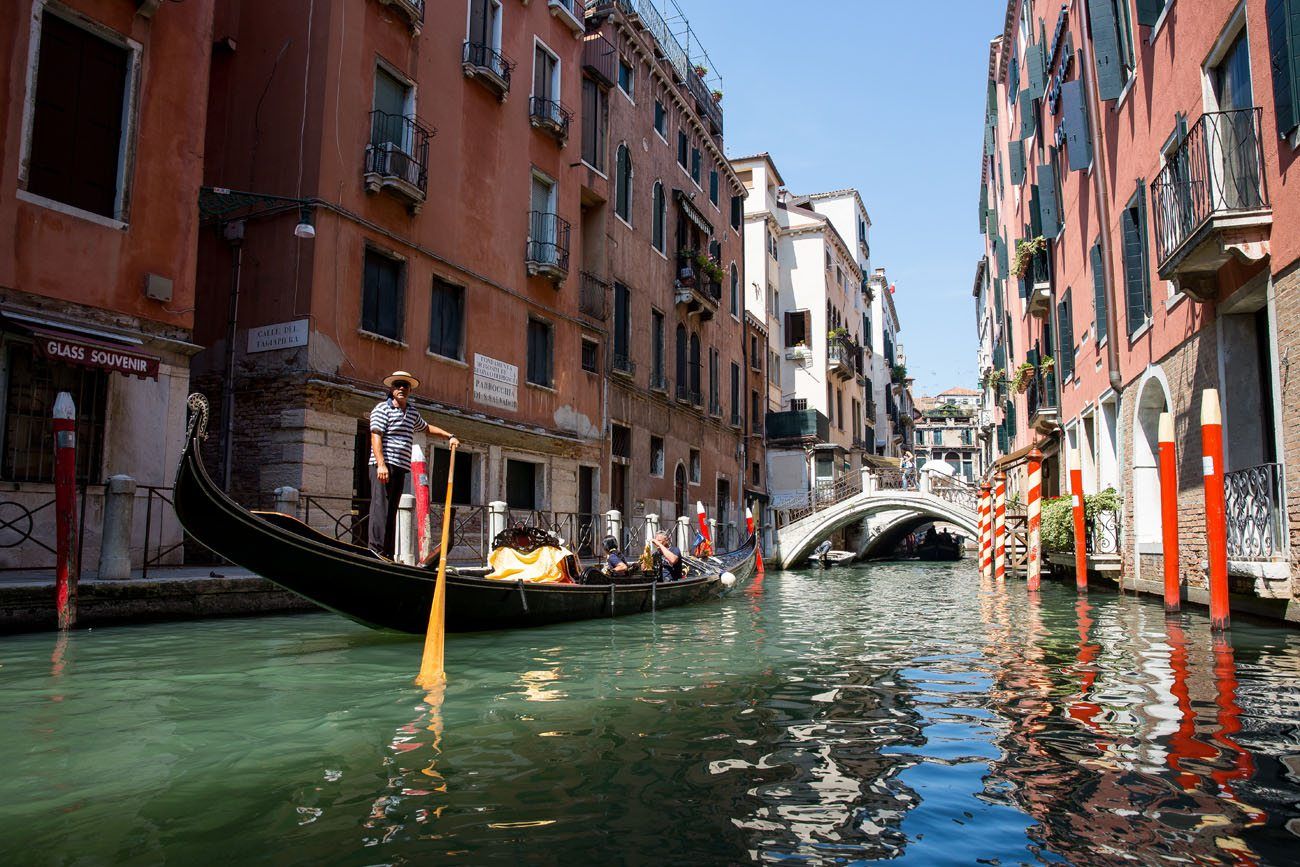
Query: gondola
[[941, 547], [355, 582]]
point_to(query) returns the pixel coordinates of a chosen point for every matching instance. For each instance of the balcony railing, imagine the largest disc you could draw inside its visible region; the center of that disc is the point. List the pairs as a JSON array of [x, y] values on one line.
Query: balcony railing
[[622, 363], [1217, 172], [550, 115], [548, 245], [693, 289], [658, 381], [593, 296], [797, 424], [397, 157], [1254, 502], [572, 12], [600, 59], [1041, 400], [839, 358], [489, 66]]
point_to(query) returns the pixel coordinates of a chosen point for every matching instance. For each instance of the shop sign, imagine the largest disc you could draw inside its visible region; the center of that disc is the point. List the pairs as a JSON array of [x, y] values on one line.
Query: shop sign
[[89, 353], [282, 335], [496, 383]]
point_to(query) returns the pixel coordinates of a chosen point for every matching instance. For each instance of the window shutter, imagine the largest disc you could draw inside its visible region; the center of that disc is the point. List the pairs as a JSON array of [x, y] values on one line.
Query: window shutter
[[1142, 238], [1098, 292], [1004, 267], [1105, 45], [990, 142], [1048, 211], [1028, 114], [1282, 18], [991, 105], [1149, 11], [997, 297], [1016, 152], [1074, 117], [736, 212], [1065, 326], [984, 211], [991, 220], [1135, 283], [1037, 74], [1013, 78]]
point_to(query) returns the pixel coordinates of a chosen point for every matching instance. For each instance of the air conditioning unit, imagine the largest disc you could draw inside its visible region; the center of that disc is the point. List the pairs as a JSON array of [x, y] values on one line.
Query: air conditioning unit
[[390, 161]]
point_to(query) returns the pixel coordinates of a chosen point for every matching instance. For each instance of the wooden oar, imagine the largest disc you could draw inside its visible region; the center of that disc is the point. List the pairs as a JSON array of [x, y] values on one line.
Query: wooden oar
[[431, 670]]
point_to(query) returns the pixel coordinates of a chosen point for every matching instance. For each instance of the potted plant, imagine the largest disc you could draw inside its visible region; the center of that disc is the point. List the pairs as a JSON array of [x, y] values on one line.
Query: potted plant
[[1046, 363], [837, 333], [717, 96], [701, 70], [899, 374], [1026, 250], [1024, 374]]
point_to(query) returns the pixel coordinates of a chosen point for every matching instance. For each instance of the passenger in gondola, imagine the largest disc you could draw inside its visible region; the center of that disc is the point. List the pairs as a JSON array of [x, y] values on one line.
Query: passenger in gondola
[[615, 563], [670, 567], [393, 423]]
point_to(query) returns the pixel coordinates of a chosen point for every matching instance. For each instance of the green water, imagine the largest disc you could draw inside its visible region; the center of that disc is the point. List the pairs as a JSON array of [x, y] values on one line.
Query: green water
[[897, 711]]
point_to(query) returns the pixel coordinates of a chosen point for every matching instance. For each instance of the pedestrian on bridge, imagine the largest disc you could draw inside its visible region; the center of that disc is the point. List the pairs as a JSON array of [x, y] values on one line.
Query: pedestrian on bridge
[[909, 470]]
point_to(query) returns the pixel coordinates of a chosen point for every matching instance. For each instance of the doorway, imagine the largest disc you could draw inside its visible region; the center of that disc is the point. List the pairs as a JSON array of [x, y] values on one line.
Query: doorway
[[586, 510]]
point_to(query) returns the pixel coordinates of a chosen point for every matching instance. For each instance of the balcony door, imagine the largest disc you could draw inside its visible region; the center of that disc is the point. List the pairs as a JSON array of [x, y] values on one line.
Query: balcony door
[[543, 228], [1233, 146], [546, 83], [391, 130]]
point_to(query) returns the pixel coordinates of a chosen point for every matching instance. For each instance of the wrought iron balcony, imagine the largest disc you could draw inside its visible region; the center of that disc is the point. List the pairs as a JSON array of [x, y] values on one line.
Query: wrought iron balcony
[[489, 66], [715, 407], [412, 10], [839, 358], [658, 381], [551, 116], [1040, 397], [1254, 501], [593, 296], [736, 420], [694, 290], [571, 12], [600, 59], [547, 253], [686, 394], [397, 157], [1038, 291], [1211, 202], [797, 425], [622, 365]]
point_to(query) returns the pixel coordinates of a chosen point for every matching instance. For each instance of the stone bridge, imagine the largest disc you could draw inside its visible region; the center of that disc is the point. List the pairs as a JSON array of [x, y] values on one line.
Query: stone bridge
[[880, 504]]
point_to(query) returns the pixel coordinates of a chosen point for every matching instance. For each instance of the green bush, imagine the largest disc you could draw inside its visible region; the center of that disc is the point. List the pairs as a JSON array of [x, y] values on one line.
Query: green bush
[[1057, 528]]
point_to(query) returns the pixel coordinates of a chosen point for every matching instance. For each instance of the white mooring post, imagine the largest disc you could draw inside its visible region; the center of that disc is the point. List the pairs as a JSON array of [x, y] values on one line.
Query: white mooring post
[[684, 533], [286, 500], [651, 528], [614, 525], [115, 542], [496, 518], [405, 548]]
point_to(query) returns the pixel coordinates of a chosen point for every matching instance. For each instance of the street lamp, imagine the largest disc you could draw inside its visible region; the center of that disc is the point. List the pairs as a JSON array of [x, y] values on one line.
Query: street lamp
[[232, 209]]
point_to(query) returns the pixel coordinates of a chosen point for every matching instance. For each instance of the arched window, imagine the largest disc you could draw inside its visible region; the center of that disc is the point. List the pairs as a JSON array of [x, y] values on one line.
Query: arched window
[[683, 385], [623, 189], [735, 290], [679, 491], [660, 215], [695, 369]]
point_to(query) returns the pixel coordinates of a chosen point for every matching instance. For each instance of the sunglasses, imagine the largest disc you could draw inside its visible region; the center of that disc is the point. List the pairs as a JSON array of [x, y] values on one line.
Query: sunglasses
[[401, 384]]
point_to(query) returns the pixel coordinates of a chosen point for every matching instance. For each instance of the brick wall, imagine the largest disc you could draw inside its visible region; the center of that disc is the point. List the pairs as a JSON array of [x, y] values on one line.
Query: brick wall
[[1286, 299]]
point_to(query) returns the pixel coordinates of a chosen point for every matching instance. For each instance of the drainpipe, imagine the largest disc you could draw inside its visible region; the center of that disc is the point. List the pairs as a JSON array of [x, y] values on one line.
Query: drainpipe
[[234, 233], [1103, 202]]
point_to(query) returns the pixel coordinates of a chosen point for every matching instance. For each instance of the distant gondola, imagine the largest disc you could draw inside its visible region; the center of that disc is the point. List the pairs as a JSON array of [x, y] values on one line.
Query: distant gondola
[[353, 581]]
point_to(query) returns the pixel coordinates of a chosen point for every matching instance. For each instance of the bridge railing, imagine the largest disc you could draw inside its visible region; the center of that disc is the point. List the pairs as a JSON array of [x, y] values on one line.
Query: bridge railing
[[794, 507], [955, 491]]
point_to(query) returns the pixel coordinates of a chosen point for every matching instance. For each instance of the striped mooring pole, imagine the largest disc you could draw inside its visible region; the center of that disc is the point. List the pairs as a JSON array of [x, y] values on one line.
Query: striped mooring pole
[[1169, 512], [1000, 526], [1034, 562], [1216, 524], [986, 531]]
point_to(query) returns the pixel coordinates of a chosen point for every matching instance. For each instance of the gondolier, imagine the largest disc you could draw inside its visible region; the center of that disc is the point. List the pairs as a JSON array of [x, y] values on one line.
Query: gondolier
[[393, 423]]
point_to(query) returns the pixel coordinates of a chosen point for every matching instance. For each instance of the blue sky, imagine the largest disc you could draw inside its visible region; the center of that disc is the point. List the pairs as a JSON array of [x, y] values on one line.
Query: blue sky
[[871, 95]]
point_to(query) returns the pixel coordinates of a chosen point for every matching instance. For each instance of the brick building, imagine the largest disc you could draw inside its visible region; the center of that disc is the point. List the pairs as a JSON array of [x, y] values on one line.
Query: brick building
[[1140, 235], [102, 162]]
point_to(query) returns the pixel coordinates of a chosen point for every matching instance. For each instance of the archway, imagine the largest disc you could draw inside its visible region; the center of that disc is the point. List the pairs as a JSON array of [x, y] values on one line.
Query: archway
[[1153, 399], [679, 490]]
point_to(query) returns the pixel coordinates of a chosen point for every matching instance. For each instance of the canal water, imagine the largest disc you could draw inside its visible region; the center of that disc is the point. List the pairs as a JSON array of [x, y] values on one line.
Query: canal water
[[896, 711]]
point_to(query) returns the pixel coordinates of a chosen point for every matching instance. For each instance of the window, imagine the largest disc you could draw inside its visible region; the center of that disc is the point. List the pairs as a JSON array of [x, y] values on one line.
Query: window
[[621, 441], [540, 349], [735, 393], [682, 148], [656, 347], [754, 477], [381, 298], [623, 190], [1283, 26], [1065, 335], [546, 82], [773, 368], [839, 409], [715, 395], [658, 235], [713, 186], [798, 324], [682, 374], [661, 120], [543, 227], [735, 291], [755, 356], [33, 384], [771, 244], [622, 327], [695, 165], [755, 411], [76, 152], [626, 77], [737, 213], [696, 394], [798, 404], [695, 466], [447, 320], [1098, 292], [1137, 289], [595, 121], [590, 356], [462, 486], [657, 457], [521, 484], [485, 32]]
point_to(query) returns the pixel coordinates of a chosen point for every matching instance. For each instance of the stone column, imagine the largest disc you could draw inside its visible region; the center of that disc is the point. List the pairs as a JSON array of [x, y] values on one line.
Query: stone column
[[119, 515], [614, 525], [496, 519], [405, 547], [286, 500], [684, 533], [868, 481]]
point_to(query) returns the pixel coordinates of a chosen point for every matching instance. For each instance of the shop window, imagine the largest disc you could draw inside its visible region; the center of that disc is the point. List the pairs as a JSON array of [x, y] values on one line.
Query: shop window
[[33, 385]]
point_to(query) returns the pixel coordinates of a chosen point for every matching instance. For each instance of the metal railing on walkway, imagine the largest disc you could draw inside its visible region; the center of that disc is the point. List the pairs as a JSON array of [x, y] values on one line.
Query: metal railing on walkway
[[1255, 503]]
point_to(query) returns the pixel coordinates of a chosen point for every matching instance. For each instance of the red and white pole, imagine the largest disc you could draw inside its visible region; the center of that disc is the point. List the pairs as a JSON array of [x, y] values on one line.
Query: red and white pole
[[1000, 525], [420, 475], [703, 518], [65, 508], [749, 528], [986, 531], [1080, 525], [1034, 563], [1216, 525], [1169, 511]]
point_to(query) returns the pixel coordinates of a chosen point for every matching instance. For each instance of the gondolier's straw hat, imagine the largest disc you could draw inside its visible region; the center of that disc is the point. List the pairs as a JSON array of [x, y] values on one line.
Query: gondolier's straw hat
[[402, 376]]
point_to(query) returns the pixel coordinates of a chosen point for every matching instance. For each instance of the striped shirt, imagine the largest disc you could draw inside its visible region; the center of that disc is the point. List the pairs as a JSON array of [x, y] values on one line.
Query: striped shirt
[[396, 427]]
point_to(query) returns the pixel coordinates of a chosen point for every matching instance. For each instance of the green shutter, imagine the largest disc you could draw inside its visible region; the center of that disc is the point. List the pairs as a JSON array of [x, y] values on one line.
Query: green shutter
[[1098, 292], [1028, 114], [1065, 328], [991, 105], [1282, 18], [1137, 295], [1075, 118], [1016, 151], [1013, 78], [990, 140], [990, 221], [1048, 211], [1105, 45], [1149, 11], [1003, 268], [1037, 73]]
